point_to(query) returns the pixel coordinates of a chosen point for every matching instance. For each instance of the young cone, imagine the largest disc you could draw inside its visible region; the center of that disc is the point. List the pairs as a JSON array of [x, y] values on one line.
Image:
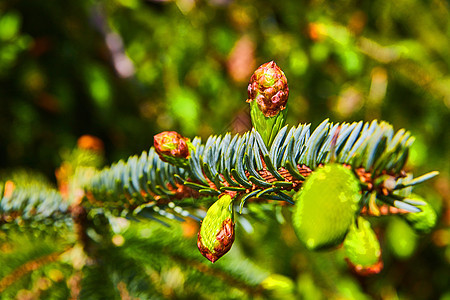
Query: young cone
[[268, 93], [424, 221], [216, 235], [362, 248], [326, 207], [173, 148]]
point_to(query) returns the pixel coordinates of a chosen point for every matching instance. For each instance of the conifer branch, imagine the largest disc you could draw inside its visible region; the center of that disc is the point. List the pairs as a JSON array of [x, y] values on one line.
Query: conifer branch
[[359, 167], [27, 268], [242, 166], [31, 203], [252, 290]]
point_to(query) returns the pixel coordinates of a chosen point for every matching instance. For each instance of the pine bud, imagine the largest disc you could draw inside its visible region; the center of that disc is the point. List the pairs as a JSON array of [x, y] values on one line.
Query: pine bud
[[173, 148], [326, 206], [362, 248], [216, 235], [424, 221], [268, 93]]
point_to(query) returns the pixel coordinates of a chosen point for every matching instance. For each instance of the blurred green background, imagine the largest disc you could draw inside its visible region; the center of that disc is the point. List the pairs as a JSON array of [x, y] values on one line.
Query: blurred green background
[[124, 70]]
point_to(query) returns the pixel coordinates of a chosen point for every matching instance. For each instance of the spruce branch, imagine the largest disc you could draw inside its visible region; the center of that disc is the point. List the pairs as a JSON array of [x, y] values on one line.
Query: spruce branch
[[154, 252], [268, 163], [31, 203], [251, 289], [27, 268], [26, 249], [243, 167]]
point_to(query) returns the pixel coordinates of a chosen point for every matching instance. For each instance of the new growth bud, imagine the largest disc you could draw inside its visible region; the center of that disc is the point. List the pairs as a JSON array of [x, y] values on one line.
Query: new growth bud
[[216, 235], [268, 86], [173, 148], [268, 93], [362, 248], [423, 221], [326, 207]]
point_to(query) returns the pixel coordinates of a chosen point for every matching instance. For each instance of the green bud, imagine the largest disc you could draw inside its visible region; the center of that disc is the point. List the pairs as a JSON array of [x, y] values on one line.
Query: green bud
[[401, 238], [216, 235], [361, 245], [326, 206], [173, 148], [424, 221], [279, 286], [268, 93]]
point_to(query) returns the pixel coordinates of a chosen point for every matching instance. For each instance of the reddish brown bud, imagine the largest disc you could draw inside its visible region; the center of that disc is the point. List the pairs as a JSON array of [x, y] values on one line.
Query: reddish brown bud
[[268, 86], [172, 147], [224, 241], [216, 235]]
